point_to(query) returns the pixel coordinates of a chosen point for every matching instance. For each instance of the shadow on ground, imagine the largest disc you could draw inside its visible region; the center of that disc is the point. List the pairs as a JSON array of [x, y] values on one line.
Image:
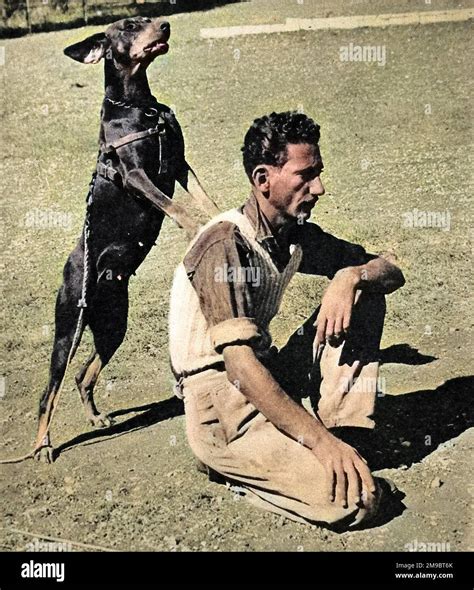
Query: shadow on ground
[[413, 425], [404, 354], [409, 426], [150, 414]]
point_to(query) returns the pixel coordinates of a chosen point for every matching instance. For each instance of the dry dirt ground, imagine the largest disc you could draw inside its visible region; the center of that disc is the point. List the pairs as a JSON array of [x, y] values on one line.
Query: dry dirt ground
[[395, 138]]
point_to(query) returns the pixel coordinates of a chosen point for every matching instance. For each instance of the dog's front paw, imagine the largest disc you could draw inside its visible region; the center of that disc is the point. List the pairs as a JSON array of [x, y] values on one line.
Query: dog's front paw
[[45, 454], [101, 421]]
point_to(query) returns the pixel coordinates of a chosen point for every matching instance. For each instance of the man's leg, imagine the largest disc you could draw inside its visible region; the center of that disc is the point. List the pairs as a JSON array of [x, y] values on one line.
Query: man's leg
[[278, 474], [349, 372], [342, 385]]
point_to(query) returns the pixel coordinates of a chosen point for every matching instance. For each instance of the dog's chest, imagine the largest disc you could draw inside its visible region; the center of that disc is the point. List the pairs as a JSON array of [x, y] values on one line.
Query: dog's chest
[[152, 143]]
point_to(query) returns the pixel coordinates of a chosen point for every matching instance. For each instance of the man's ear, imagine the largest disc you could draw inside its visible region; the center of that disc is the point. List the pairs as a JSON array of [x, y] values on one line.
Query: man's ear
[[89, 51], [260, 178]]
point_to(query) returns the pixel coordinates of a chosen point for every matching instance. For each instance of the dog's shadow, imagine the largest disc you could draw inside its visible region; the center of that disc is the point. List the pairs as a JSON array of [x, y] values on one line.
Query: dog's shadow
[[149, 415]]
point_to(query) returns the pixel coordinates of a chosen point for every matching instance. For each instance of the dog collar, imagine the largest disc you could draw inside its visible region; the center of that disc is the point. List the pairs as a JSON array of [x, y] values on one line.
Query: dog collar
[[149, 111]]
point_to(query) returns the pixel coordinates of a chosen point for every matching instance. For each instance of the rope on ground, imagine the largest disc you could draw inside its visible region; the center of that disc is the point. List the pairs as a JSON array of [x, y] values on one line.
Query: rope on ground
[[58, 540]]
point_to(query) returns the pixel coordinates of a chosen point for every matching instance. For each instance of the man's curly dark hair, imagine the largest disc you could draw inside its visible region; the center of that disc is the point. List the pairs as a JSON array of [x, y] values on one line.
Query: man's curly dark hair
[[268, 137]]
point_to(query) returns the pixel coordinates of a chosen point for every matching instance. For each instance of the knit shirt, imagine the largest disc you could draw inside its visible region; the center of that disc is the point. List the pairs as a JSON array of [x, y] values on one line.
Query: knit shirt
[[194, 345]]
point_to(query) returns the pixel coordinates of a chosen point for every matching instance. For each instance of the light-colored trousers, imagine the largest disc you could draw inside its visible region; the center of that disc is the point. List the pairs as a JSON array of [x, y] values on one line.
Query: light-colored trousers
[[228, 434]]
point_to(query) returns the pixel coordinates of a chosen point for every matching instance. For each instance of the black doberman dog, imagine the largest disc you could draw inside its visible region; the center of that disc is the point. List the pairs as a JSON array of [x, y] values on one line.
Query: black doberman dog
[[141, 156]]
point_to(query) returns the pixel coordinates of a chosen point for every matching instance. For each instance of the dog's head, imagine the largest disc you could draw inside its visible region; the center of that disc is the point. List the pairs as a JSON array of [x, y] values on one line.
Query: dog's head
[[130, 42]]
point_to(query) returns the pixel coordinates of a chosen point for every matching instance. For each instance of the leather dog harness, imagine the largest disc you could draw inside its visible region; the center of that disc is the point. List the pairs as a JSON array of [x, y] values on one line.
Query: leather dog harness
[[106, 169]]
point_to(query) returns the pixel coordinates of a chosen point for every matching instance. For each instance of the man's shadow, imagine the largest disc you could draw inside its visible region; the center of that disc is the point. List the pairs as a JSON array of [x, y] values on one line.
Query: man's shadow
[[408, 426], [412, 425]]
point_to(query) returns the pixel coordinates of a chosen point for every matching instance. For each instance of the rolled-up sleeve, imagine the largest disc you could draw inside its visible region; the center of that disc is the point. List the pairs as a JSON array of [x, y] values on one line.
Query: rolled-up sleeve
[[216, 266], [234, 331]]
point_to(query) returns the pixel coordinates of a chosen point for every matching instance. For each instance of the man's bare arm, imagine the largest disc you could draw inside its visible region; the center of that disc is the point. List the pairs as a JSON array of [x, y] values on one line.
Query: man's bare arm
[[344, 466]]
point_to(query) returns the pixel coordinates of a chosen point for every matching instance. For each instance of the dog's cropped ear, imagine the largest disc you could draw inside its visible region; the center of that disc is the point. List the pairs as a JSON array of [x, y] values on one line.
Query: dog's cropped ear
[[89, 51]]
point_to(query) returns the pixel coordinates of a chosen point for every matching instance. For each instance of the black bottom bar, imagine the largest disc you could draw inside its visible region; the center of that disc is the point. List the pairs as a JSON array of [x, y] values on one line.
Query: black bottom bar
[[234, 570]]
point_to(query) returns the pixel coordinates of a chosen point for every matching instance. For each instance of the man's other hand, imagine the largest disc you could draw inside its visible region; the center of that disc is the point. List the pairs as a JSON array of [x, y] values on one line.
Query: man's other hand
[[349, 479]]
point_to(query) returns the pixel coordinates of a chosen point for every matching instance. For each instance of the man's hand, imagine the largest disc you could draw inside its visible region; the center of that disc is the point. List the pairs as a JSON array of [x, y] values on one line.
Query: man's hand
[[349, 479], [378, 276], [334, 317]]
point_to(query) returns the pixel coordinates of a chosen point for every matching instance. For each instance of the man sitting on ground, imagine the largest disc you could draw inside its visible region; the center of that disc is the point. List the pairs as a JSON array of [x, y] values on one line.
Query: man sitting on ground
[[243, 418]]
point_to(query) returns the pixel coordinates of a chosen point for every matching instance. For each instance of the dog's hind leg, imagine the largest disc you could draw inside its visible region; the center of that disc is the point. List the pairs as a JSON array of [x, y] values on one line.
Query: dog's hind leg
[[86, 380], [108, 322], [67, 328]]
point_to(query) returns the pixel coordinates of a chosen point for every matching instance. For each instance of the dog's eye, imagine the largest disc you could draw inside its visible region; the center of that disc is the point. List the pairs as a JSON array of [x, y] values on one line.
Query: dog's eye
[[131, 27]]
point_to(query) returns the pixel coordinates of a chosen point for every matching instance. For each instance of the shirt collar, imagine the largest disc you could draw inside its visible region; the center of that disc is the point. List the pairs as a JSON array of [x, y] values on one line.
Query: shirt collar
[[251, 209], [276, 245], [263, 231]]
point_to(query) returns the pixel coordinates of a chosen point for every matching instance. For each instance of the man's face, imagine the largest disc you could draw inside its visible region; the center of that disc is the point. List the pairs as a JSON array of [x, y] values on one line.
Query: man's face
[[296, 186]]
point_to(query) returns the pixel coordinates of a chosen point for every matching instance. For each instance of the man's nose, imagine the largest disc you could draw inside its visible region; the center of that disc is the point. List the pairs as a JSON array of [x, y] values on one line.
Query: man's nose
[[317, 187]]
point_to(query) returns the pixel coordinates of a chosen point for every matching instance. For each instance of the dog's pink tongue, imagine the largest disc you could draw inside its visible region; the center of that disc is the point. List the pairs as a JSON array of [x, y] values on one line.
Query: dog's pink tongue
[[159, 46]]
